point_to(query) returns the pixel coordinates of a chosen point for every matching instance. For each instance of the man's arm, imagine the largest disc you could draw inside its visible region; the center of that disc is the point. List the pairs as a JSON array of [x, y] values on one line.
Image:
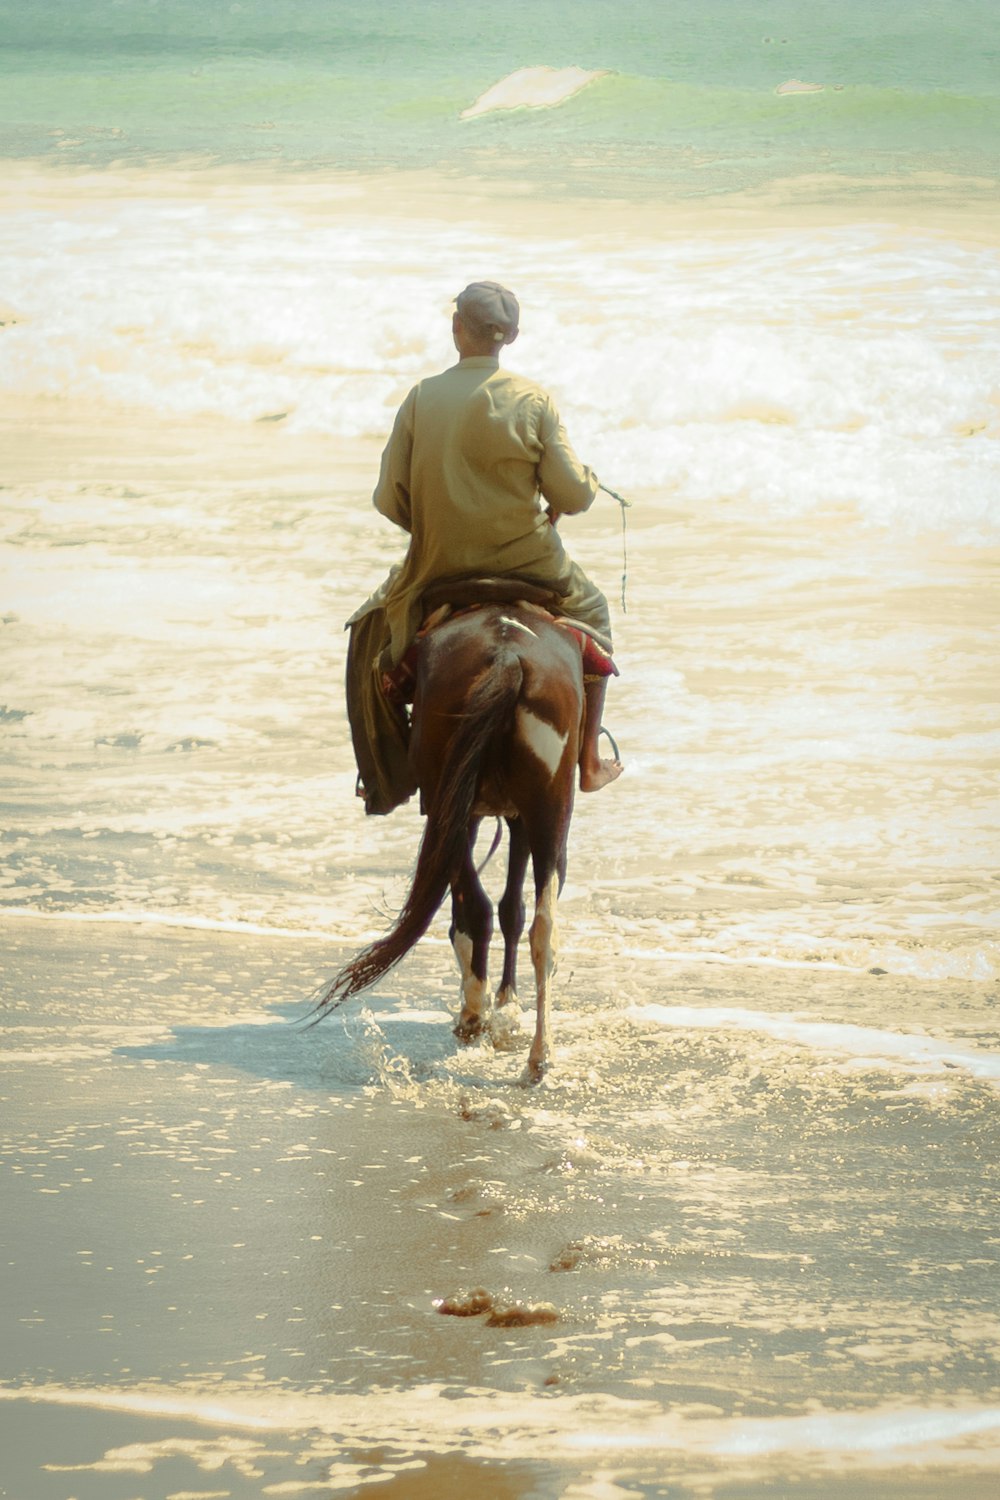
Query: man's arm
[[568, 485], [392, 493]]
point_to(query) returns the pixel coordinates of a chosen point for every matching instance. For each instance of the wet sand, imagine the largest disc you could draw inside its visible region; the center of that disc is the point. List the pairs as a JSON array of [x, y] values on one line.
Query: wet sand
[[225, 1236], [963, 209], [759, 1187]]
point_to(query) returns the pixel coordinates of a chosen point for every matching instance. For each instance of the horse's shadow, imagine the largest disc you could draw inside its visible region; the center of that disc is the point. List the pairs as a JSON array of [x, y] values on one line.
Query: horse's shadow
[[361, 1049]]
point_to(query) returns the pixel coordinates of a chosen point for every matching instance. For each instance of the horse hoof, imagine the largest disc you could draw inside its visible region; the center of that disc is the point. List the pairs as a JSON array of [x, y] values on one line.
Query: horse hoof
[[535, 1070], [467, 1028], [505, 1030]]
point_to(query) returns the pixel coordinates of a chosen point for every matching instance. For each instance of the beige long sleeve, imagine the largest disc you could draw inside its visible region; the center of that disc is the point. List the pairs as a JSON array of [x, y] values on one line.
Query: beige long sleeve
[[392, 496], [566, 484]]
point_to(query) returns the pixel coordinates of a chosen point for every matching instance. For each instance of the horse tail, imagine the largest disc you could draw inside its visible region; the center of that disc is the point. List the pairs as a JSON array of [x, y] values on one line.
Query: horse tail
[[488, 712]]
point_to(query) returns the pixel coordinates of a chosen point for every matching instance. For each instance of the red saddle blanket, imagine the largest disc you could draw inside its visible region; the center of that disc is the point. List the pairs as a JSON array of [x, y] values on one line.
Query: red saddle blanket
[[400, 683]]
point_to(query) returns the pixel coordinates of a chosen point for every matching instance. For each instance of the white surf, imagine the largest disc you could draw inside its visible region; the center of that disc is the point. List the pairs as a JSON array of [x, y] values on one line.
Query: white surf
[[532, 88]]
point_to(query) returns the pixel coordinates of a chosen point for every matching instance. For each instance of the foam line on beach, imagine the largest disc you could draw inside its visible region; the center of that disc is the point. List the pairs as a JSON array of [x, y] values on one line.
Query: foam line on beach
[[179, 921], [190, 1406], [169, 920], [496, 1423], [863, 1042], [738, 961]]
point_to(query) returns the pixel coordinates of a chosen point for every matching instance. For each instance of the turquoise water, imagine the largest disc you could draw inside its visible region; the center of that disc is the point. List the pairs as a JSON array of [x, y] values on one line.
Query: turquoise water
[[689, 97]]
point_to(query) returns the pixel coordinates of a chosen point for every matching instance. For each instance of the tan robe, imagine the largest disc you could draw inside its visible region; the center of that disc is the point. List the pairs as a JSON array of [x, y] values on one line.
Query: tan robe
[[473, 453]]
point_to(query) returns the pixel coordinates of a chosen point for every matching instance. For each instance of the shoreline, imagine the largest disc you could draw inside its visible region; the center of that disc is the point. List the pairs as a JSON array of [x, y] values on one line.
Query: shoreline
[[441, 1435], [963, 208]]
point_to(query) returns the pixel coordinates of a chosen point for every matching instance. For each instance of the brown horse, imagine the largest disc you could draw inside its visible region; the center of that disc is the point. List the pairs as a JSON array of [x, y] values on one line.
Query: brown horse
[[497, 720]]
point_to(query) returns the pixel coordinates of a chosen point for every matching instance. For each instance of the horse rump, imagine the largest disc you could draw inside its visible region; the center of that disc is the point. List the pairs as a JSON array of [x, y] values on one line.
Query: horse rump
[[457, 738]]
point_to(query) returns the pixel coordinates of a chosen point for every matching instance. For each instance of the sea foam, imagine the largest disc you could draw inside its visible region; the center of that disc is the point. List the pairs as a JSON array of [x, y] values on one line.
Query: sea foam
[[829, 370], [497, 1424], [865, 1043], [532, 88]]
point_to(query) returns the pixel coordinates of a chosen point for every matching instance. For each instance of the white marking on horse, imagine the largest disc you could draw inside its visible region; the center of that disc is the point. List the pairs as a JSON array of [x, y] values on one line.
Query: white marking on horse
[[462, 945], [518, 625], [544, 742], [475, 992], [543, 940]]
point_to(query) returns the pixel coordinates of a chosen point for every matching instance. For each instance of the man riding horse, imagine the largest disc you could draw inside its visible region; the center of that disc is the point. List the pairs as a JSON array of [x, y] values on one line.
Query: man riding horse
[[473, 453]]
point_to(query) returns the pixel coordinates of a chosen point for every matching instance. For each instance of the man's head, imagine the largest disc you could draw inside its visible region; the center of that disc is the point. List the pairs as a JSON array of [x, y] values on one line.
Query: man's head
[[486, 318]]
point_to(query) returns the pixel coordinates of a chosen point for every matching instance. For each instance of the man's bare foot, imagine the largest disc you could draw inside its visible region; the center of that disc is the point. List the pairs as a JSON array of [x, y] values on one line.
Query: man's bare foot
[[593, 778]]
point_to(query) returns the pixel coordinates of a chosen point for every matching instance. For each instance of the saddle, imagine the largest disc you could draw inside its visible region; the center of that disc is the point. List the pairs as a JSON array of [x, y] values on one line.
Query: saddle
[[465, 592], [451, 596]]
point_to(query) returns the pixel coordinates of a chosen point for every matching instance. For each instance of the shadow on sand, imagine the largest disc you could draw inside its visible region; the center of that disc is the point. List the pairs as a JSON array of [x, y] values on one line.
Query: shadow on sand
[[354, 1050]]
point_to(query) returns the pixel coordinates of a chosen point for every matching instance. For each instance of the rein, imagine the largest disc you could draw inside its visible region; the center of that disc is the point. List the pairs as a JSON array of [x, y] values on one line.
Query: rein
[[493, 847], [625, 505]]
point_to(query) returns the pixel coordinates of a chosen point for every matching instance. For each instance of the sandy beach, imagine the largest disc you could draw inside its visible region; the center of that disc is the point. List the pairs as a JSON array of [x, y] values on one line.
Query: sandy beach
[[961, 208], [757, 1189], [225, 1236], [742, 1242]]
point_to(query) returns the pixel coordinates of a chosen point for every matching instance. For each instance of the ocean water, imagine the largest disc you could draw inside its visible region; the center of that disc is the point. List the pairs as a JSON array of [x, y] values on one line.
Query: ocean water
[[759, 1186], [687, 104], [848, 367]]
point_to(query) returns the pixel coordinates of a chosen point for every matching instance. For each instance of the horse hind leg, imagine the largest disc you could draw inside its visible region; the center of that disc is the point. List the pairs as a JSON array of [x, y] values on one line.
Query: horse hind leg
[[511, 911], [546, 809], [543, 942], [549, 838], [471, 930]]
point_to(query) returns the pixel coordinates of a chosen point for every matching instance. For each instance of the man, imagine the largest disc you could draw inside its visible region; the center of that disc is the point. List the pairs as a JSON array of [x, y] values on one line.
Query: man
[[473, 453]]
